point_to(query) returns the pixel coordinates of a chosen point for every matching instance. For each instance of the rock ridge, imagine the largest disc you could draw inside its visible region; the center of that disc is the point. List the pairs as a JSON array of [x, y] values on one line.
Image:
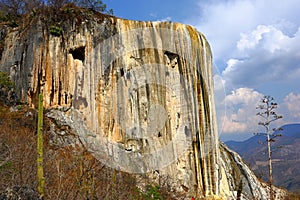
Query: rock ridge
[[138, 94]]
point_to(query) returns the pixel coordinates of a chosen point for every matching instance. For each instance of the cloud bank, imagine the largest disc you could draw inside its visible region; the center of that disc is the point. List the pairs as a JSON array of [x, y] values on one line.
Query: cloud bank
[[256, 47]]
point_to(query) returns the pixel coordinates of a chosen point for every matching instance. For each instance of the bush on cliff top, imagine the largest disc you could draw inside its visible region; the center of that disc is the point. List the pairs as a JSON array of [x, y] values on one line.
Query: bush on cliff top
[[10, 9]]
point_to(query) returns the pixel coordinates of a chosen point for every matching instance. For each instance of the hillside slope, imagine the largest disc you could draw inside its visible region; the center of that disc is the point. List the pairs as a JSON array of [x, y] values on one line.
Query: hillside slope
[[286, 157]]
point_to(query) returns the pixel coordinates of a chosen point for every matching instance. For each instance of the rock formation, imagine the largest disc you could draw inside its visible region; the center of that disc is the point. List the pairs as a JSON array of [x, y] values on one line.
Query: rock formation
[[138, 94]]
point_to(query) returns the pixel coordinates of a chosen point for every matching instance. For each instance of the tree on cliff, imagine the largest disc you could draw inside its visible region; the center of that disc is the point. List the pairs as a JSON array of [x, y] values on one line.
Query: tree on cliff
[[10, 9], [96, 5], [267, 112], [7, 87], [19, 7]]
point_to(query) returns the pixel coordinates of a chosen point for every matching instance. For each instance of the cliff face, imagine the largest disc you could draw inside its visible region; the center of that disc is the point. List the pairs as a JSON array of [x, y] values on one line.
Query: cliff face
[[138, 94]]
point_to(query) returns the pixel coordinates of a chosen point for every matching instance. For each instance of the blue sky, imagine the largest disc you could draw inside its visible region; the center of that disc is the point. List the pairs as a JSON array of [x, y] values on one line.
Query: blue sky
[[256, 51]]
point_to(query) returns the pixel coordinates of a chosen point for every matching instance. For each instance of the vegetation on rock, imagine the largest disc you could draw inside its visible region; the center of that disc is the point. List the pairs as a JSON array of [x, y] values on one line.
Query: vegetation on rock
[[71, 172], [6, 89], [55, 30], [11, 9], [14, 12]]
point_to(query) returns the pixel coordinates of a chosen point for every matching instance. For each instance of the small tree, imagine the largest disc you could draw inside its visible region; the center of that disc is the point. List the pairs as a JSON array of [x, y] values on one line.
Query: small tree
[[267, 108], [96, 5], [40, 152], [13, 9], [7, 86]]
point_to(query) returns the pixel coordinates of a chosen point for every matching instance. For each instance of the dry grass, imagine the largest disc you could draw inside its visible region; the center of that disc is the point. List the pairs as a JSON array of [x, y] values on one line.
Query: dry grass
[[70, 172]]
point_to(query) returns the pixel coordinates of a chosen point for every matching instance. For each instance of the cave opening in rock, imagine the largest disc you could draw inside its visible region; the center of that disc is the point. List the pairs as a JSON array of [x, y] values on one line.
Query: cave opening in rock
[[78, 53], [122, 71], [159, 134]]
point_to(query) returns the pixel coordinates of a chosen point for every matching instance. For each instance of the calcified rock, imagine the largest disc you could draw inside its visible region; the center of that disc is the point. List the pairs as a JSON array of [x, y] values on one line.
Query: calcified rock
[[241, 179], [138, 94]]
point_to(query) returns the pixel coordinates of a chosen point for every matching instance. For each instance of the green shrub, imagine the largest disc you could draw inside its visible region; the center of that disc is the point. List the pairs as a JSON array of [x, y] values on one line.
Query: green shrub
[[13, 24], [6, 166], [152, 192], [55, 30], [5, 81], [6, 89], [34, 11]]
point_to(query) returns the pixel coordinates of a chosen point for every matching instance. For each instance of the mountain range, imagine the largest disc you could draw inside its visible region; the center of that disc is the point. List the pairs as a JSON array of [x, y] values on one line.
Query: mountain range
[[285, 156]]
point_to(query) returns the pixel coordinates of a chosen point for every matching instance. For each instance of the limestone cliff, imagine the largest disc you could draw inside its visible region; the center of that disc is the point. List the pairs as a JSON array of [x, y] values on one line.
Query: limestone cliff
[[138, 94]]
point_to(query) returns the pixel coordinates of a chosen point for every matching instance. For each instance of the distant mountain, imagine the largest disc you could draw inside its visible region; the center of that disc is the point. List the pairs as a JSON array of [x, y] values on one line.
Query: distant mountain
[[285, 155], [243, 147]]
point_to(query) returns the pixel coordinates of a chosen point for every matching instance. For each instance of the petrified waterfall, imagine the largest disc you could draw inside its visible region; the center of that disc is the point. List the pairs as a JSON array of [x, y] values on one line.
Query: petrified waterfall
[[138, 94]]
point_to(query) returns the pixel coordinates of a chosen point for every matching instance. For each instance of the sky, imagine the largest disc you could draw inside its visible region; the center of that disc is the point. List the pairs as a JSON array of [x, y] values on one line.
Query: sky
[[256, 52]]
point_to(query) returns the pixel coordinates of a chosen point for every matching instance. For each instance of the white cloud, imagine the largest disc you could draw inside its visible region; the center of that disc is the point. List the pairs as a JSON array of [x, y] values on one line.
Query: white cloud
[[219, 83], [240, 111], [268, 38], [259, 50], [166, 19], [251, 40], [232, 66], [266, 55], [256, 45], [271, 38], [223, 21], [231, 126], [292, 104], [244, 96]]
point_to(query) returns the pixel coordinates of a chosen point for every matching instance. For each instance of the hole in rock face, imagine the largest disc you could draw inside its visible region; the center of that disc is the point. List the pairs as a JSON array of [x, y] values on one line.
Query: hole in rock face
[[172, 59], [122, 71], [78, 53], [66, 98], [159, 134]]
